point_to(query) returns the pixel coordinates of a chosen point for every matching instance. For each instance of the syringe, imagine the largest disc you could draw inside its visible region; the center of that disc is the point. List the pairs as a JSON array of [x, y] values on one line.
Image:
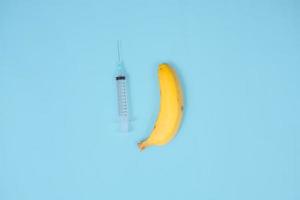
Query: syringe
[[121, 78]]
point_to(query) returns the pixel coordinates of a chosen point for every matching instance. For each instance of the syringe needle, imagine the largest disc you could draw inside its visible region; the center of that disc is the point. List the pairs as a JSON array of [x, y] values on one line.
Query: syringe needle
[[118, 49]]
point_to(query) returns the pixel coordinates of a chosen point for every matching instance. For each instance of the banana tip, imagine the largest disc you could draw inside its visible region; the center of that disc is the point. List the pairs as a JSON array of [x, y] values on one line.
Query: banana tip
[[142, 145]]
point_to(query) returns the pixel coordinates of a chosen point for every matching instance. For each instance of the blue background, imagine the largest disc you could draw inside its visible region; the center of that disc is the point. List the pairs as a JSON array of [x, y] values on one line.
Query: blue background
[[238, 61]]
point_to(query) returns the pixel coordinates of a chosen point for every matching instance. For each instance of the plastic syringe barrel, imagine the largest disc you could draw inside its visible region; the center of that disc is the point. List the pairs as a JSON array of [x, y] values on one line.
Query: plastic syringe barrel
[[122, 102]]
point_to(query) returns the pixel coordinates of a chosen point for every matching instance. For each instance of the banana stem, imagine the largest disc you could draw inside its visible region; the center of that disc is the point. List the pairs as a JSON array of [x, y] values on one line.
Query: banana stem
[[142, 145]]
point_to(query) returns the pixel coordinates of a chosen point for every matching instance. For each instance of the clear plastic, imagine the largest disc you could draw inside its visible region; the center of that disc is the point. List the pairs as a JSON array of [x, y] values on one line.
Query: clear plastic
[[123, 109], [122, 94]]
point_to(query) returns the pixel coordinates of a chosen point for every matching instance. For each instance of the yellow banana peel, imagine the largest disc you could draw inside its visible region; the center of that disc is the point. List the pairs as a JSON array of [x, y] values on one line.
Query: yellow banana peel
[[171, 109]]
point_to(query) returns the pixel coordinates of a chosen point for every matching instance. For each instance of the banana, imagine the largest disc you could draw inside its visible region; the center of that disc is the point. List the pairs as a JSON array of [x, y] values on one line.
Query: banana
[[171, 109]]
